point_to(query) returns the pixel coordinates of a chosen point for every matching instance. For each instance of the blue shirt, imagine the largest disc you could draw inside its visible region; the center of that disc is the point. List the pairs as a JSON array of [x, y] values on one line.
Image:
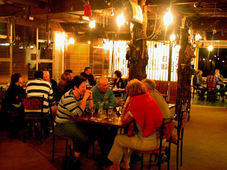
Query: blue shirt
[[98, 95]]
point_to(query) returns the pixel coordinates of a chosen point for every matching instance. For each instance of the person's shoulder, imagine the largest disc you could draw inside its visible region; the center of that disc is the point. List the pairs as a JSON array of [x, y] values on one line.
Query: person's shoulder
[[82, 73], [94, 89]]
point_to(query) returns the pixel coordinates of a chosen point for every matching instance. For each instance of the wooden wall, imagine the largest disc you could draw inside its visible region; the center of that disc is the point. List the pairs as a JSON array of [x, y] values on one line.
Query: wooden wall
[[77, 57]]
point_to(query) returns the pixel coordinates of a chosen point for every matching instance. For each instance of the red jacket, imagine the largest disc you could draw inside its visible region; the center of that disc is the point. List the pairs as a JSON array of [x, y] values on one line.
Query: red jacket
[[146, 113]]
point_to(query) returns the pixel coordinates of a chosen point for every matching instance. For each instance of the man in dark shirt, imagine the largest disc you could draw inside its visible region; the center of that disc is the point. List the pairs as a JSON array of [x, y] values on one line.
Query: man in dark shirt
[[87, 74]]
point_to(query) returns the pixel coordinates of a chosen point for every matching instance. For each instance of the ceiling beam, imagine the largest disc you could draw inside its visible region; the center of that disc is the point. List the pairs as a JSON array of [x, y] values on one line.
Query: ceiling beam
[[181, 2], [31, 3]]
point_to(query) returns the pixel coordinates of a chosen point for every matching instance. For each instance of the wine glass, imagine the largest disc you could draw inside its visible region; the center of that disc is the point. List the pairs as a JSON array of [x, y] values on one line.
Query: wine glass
[[110, 112], [92, 110]]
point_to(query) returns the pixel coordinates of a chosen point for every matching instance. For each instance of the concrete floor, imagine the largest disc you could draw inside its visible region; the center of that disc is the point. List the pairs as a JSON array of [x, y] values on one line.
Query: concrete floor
[[204, 146]]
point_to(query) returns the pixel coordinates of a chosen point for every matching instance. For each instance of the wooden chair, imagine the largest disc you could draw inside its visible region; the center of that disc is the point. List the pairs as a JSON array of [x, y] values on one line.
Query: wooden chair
[[33, 109], [182, 120], [53, 113], [166, 133]]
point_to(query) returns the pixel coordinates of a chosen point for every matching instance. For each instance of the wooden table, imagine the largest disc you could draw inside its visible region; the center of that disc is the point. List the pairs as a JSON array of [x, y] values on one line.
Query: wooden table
[[116, 122], [118, 90]]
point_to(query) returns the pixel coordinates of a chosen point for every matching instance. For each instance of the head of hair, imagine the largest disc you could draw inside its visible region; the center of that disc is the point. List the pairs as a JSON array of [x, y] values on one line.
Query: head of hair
[[149, 83], [66, 77], [118, 73], [68, 71], [198, 72], [86, 68], [77, 80], [15, 78], [38, 74], [212, 72], [99, 79], [135, 88]]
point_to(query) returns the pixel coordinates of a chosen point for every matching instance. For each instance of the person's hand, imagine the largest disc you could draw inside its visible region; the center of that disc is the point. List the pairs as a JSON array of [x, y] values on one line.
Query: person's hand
[[90, 92], [87, 94]]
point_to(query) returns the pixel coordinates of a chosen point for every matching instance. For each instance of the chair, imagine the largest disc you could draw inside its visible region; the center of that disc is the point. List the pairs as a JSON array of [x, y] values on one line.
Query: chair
[[166, 134], [33, 109], [53, 113], [182, 120]]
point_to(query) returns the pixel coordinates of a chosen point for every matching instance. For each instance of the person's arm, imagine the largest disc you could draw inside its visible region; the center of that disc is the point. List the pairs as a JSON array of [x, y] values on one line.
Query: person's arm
[[96, 97], [112, 99], [84, 100], [90, 100], [125, 116]]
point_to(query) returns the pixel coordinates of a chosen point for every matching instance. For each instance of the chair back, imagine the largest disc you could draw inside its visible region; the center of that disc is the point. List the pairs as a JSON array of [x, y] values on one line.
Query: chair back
[[167, 128], [183, 116], [33, 107]]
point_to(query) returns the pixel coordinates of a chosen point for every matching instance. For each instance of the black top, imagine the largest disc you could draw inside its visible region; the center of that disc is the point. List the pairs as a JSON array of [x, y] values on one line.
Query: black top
[[14, 95], [54, 87], [120, 83], [90, 78]]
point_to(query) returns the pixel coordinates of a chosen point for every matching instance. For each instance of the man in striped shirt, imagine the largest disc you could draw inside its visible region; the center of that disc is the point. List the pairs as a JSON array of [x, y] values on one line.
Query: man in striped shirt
[[40, 88]]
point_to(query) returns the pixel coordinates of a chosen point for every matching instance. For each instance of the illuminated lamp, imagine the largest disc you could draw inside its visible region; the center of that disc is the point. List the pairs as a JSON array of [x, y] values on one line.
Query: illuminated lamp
[[210, 47], [168, 18]]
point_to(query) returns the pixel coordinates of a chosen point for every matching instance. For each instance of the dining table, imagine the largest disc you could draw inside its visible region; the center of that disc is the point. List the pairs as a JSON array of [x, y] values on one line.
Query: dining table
[[95, 119]]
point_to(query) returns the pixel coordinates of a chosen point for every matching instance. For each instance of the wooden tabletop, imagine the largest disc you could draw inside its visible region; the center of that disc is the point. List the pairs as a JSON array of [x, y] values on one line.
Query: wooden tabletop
[[116, 122]]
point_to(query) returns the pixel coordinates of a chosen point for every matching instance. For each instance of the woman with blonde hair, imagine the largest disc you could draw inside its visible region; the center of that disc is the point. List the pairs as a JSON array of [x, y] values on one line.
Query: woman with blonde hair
[[65, 83], [142, 111]]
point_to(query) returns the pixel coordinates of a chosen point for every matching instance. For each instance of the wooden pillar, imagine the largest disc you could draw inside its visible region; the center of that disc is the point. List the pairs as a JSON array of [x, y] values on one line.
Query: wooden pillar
[[184, 67], [138, 56]]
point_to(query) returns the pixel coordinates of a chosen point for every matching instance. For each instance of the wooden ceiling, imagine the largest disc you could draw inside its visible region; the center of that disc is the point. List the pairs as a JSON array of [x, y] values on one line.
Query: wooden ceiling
[[205, 15]]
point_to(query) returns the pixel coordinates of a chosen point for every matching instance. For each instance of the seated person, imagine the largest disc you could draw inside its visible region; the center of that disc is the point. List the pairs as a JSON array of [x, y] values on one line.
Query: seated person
[[39, 88], [150, 89], [14, 95], [118, 83], [198, 84], [65, 84], [69, 71], [46, 77], [74, 103], [220, 84], [212, 80], [140, 108], [101, 92], [89, 77]]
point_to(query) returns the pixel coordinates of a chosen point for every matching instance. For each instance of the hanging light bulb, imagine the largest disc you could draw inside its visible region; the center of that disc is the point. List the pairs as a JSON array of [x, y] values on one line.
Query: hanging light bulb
[[120, 20], [172, 37], [210, 47], [92, 24], [168, 18]]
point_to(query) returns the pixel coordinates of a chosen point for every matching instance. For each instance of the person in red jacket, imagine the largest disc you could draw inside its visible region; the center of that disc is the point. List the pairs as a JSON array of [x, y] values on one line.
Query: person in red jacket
[[144, 117]]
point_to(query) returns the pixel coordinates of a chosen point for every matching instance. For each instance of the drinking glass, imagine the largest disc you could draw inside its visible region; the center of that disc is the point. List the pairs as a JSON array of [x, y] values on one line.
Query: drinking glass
[[92, 111], [110, 112]]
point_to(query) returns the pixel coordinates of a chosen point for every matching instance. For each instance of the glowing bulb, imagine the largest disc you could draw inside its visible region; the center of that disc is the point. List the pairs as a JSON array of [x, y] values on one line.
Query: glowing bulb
[[92, 24], [210, 48], [168, 18], [89, 42], [120, 20], [223, 61], [172, 37], [71, 41], [203, 59], [198, 37], [209, 60]]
